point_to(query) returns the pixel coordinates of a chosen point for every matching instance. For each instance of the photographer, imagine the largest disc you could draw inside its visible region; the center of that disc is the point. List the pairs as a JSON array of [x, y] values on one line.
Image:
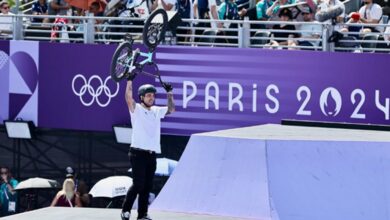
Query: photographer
[[7, 194]]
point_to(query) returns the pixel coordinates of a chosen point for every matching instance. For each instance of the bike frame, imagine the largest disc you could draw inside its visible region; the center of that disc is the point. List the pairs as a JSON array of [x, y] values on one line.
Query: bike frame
[[130, 65], [149, 57]]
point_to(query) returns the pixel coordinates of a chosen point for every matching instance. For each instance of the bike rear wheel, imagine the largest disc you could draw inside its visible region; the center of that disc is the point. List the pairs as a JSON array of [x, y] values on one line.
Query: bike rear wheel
[[155, 28], [121, 61]]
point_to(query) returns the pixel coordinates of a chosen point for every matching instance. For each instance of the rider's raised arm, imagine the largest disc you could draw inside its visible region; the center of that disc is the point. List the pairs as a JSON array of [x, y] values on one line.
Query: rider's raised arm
[[171, 103], [129, 96]]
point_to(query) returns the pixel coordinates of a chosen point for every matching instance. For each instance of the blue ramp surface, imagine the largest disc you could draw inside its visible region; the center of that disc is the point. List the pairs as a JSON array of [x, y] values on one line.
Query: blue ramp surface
[[283, 173], [219, 176]]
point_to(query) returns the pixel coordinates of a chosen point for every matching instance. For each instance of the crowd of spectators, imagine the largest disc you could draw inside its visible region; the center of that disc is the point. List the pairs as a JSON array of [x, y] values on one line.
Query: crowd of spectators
[[74, 193], [220, 12], [26, 195]]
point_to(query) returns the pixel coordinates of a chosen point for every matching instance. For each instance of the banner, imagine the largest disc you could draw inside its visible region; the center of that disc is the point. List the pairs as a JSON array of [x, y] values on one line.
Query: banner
[[67, 86], [4, 81], [220, 88], [19, 80]]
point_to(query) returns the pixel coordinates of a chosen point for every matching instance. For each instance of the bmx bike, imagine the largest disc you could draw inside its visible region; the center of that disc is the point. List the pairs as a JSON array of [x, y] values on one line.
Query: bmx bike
[[127, 62]]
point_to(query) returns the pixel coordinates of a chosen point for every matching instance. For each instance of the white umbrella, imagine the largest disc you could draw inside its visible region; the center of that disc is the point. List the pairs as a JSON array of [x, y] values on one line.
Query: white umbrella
[[164, 167], [37, 183], [111, 187]]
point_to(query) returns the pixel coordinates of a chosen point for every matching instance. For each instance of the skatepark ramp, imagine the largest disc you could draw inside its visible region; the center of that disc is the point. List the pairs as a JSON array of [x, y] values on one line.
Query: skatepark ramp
[[283, 172]]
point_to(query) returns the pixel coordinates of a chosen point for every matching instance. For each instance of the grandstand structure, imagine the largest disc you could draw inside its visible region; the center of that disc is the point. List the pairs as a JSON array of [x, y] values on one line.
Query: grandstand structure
[[244, 33]]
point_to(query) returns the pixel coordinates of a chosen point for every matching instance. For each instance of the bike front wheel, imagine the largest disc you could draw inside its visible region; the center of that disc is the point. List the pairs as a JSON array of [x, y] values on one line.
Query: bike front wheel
[[121, 61], [154, 28]]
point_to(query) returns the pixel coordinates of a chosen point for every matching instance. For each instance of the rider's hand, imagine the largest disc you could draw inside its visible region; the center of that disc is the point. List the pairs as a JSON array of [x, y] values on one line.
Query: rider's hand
[[131, 76], [168, 87]]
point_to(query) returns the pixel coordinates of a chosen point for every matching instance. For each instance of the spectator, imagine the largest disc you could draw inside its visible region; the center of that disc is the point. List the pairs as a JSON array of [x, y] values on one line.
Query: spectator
[[327, 4], [58, 7], [285, 15], [274, 9], [370, 13], [386, 34], [167, 5], [67, 196], [78, 24], [59, 31], [185, 11], [40, 8], [94, 9], [312, 30], [132, 8], [228, 10], [184, 8], [135, 8], [8, 196], [80, 187], [206, 9], [261, 9], [5, 19], [259, 12]]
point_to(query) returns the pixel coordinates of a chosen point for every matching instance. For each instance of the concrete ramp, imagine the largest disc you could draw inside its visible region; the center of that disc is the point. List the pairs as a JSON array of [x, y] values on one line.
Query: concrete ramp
[[283, 172]]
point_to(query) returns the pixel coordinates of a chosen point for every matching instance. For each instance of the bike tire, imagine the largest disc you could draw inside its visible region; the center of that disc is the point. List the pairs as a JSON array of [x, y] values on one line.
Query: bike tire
[[150, 35], [119, 69]]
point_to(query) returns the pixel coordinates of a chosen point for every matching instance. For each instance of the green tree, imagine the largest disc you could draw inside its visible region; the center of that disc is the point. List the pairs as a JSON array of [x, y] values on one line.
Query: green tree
[[11, 3]]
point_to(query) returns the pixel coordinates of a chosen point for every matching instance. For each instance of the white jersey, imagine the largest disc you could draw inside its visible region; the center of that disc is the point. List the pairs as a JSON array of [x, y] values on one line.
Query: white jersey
[[6, 22], [147, 127], [373, 11]]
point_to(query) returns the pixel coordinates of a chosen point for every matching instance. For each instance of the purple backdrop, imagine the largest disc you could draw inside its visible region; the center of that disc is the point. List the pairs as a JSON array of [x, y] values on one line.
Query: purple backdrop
[[215, 88]]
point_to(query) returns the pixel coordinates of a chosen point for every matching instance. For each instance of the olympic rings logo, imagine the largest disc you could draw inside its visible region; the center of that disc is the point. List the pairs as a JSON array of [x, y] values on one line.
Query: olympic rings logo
[[94, 93]]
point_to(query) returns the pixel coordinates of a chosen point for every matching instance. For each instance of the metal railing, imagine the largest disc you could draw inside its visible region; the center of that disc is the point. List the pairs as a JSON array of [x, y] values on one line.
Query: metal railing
[[237, 33], [367, 38], [265, 36]]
